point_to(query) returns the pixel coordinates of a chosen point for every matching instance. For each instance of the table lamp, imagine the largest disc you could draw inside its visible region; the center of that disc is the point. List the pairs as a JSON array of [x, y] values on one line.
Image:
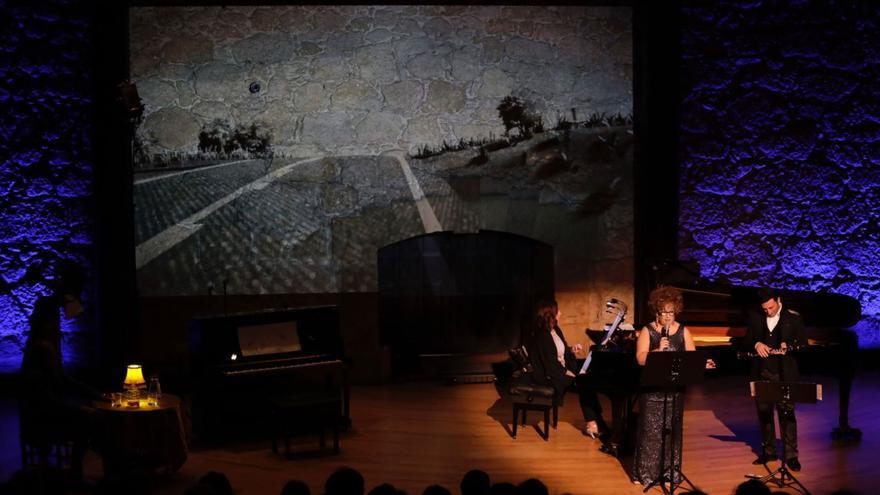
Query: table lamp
[[134, 379]]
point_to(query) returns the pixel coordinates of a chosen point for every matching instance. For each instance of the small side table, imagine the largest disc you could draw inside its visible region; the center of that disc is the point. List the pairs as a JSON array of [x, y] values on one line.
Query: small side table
[[149, 436]]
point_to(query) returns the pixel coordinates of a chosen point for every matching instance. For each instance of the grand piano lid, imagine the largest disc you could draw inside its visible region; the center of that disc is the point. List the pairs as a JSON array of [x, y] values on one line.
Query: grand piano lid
[[717, 303], [710, 303]]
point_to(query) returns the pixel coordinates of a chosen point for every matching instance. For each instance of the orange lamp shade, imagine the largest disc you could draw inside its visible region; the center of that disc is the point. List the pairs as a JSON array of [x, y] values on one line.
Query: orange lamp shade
[[134, 376]]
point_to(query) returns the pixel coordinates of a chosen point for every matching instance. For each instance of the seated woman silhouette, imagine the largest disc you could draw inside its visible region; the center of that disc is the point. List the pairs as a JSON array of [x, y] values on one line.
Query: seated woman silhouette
[[54, 405]]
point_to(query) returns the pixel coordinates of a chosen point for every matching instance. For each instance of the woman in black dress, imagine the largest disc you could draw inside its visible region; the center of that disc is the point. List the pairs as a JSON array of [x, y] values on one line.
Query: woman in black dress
[[662, 334]]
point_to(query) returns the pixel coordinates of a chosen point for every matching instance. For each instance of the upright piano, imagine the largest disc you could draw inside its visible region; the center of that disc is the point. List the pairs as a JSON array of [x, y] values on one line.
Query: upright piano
[[240, 362]]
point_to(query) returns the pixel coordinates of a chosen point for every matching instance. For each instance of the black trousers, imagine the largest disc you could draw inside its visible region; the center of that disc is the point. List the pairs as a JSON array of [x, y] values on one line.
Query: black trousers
[[592, 411], [590, 407], [787, 423]]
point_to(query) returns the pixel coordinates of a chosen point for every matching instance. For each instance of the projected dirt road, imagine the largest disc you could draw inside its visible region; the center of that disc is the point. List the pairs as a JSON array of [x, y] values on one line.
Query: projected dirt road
[[314, 224]]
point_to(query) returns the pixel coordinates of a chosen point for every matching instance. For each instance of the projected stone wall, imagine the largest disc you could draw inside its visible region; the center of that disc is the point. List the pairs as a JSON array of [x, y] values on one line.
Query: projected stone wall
[[281, 147], [366, 79]]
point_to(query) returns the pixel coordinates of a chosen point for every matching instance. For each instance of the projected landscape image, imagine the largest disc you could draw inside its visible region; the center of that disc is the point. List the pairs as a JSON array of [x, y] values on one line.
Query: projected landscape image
[[281, 147]]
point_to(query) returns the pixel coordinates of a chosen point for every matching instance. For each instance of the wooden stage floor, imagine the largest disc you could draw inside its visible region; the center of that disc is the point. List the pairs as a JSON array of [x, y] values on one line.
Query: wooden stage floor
[[416, 434]]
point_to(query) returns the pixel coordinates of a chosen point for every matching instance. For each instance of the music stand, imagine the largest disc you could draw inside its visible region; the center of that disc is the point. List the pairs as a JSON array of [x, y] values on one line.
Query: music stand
[[669, 371], [785, 392]]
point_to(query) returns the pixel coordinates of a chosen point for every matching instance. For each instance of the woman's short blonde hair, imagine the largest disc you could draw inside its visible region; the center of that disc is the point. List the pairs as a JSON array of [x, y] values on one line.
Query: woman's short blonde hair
[[663, 295]]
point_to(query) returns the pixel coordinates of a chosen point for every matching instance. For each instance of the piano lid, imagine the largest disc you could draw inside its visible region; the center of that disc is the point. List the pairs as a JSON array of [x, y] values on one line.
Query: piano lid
[[710, 303]]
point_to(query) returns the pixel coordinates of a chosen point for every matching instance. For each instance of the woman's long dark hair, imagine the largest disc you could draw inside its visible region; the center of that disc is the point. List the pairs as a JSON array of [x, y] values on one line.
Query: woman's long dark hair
[[545, 315]]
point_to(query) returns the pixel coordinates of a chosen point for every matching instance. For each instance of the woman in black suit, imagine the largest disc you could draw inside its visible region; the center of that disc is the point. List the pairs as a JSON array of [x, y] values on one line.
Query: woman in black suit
[[555, 364]]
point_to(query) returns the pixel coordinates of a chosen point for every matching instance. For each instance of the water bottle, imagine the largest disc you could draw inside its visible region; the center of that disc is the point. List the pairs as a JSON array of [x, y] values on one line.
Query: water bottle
[[155, 388]]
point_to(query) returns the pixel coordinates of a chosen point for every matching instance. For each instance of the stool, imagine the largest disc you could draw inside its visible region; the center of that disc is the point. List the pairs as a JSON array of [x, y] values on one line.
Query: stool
[[537, 398], [44, 453], [47, 443], [308, 411]]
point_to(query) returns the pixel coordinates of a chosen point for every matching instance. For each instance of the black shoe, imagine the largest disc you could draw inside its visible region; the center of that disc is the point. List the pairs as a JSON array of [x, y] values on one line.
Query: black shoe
[[793, 464], [610, 449], [765, 458]]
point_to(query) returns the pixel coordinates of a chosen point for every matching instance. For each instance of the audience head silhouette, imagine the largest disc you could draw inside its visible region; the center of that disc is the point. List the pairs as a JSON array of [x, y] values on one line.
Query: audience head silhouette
[[348, 481], [344, 481], [752, 487], [532, 486], [475, 482], [436, 490], [295, 487], [215, 483]]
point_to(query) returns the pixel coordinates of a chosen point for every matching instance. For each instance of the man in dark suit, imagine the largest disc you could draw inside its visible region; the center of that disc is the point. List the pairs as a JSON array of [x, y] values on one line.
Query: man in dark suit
[[770, 334]]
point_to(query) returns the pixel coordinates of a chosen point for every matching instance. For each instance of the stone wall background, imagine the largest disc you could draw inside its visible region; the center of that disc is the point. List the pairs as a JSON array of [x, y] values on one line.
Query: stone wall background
[[796, 65], [780, 174], [46, 173], [367, 79]]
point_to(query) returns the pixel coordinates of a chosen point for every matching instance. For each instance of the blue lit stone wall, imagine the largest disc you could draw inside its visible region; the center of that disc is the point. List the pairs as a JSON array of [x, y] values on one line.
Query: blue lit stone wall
[[780, 132], [46, 175]]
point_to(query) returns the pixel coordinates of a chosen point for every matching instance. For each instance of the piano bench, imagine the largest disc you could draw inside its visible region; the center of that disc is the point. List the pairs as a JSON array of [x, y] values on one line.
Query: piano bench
[[536, 398], [305, 412]]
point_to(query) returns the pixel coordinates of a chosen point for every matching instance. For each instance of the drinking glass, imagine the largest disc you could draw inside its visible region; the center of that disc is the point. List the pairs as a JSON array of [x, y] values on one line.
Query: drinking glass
[[153, 391]]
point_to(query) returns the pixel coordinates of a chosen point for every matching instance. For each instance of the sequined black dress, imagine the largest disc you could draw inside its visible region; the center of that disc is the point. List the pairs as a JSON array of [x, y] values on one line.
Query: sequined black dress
[[646, 465]]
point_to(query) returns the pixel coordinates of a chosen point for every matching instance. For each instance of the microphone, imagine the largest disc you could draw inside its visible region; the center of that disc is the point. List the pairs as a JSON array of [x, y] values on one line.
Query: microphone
[[665, 333]]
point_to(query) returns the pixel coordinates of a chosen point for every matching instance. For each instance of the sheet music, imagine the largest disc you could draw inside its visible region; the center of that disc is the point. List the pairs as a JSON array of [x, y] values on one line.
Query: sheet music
[[269, 338], [610, 329]]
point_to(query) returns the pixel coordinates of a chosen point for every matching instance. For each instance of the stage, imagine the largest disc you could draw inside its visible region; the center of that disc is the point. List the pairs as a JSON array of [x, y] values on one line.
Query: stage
[[420, 433]]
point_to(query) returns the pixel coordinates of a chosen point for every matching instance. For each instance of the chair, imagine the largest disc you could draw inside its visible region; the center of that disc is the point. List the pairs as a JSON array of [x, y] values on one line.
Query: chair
[[528, 396]]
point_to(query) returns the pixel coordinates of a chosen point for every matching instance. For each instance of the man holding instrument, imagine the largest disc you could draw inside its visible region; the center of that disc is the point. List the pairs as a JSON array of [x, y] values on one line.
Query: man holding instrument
[[771, 335]]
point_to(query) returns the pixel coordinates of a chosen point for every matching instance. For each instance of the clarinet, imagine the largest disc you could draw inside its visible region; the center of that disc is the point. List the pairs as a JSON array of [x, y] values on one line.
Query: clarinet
[[773, 352]]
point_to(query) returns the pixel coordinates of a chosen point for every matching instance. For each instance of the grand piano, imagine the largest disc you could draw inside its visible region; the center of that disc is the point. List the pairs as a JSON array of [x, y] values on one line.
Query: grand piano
[[717, 315], [239, 362]]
